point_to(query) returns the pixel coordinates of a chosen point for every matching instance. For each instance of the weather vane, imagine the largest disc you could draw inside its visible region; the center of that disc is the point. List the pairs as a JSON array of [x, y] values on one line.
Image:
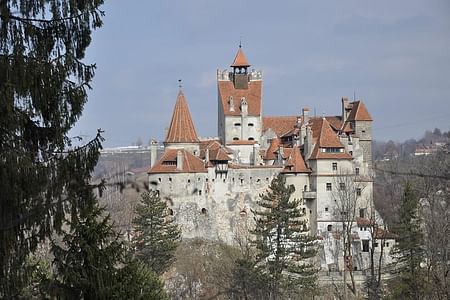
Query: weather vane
[[179, 83]]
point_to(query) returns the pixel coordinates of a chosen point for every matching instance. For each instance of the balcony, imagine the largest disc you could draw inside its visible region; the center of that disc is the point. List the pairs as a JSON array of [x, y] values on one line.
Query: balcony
[[309, 195]]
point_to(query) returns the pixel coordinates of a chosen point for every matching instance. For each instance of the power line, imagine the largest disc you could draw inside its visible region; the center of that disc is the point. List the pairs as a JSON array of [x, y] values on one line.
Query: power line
[[411, 173]]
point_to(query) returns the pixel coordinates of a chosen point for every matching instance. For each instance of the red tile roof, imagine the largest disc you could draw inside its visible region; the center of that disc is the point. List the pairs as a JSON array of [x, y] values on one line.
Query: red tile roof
[[241, 142], [218, 154], [181, 128], [240, 60], [279, 124], [335, 122], [295, 163], [168, 163], [252, 96], [359, 112], [272, 150], [326, 138], [364, 222]]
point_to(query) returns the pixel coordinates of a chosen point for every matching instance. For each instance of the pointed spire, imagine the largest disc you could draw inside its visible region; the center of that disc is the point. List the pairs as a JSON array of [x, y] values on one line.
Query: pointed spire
[[181, 128], [240, 61]]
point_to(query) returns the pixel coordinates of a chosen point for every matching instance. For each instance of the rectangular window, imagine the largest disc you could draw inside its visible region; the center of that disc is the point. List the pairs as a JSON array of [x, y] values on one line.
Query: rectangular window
[[358, 192], [362, 213], [342, 186], [365, 245], [334, 165], [326, 208], [357, 171], [328, 186]]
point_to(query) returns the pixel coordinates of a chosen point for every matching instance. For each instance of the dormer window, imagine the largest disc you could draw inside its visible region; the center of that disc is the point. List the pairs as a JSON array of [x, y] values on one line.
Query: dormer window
[[231, 103], [332, 150]]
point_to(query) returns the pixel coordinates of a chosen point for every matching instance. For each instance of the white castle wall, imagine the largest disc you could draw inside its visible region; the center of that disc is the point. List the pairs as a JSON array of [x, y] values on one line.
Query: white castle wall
[[215, 208]]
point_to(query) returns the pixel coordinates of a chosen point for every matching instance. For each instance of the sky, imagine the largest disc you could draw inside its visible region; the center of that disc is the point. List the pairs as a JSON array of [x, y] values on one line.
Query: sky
[[393, 55]]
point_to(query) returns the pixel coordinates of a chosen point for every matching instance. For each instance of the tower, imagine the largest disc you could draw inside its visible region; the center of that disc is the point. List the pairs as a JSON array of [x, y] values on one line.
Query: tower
[[240, 104], [181, 133]]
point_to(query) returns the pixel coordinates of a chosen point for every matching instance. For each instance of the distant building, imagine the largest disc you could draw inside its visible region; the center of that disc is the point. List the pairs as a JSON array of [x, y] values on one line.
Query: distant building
[[211, 185]]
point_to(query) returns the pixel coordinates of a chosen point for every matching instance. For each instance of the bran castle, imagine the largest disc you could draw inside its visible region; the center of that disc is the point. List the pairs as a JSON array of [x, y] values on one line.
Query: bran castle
[[211, 185]]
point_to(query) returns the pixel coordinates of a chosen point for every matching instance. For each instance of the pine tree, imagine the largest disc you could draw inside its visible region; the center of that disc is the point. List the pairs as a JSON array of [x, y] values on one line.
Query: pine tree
[[93, 263], [156, 235], [284, 248], [43, 89], [409, 250]]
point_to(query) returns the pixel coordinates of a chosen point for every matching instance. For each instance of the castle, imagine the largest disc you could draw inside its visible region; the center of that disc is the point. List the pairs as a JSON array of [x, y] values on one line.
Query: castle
[[211, 185]]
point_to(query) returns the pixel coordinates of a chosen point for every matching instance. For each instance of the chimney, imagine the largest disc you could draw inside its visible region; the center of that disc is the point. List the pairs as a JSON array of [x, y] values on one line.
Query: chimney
[[179, 160], [307, 149], [206, 157], [345, 108], [280, 155], [305, 115], [153, 152]]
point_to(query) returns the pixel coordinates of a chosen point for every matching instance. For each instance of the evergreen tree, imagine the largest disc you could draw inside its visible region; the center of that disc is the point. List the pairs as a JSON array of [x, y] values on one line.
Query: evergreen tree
[[283, 245], [93, 263], [409, 250], [156, 235], [43, 84]]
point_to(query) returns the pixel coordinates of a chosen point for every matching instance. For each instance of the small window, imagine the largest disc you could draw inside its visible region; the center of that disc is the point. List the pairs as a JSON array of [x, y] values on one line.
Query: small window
[[189, 181], [199, 192], [329, 227], [328, 186], [251, 138], [170, 211], [365, 246], [204, 211], [341, 186], [237, 124], [235, 139], [326, 208], [334, 165], [304, 211], [170, 179], [375, 245], [250, 124], [356, 171], [159, 179], [358, 192], [351, 153], [362, 213], [387, 244], [363, 131]]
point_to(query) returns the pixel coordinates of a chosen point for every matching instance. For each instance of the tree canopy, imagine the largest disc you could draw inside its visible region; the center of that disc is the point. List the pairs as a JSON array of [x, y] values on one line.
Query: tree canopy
[[43, 89], [283, 244]]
